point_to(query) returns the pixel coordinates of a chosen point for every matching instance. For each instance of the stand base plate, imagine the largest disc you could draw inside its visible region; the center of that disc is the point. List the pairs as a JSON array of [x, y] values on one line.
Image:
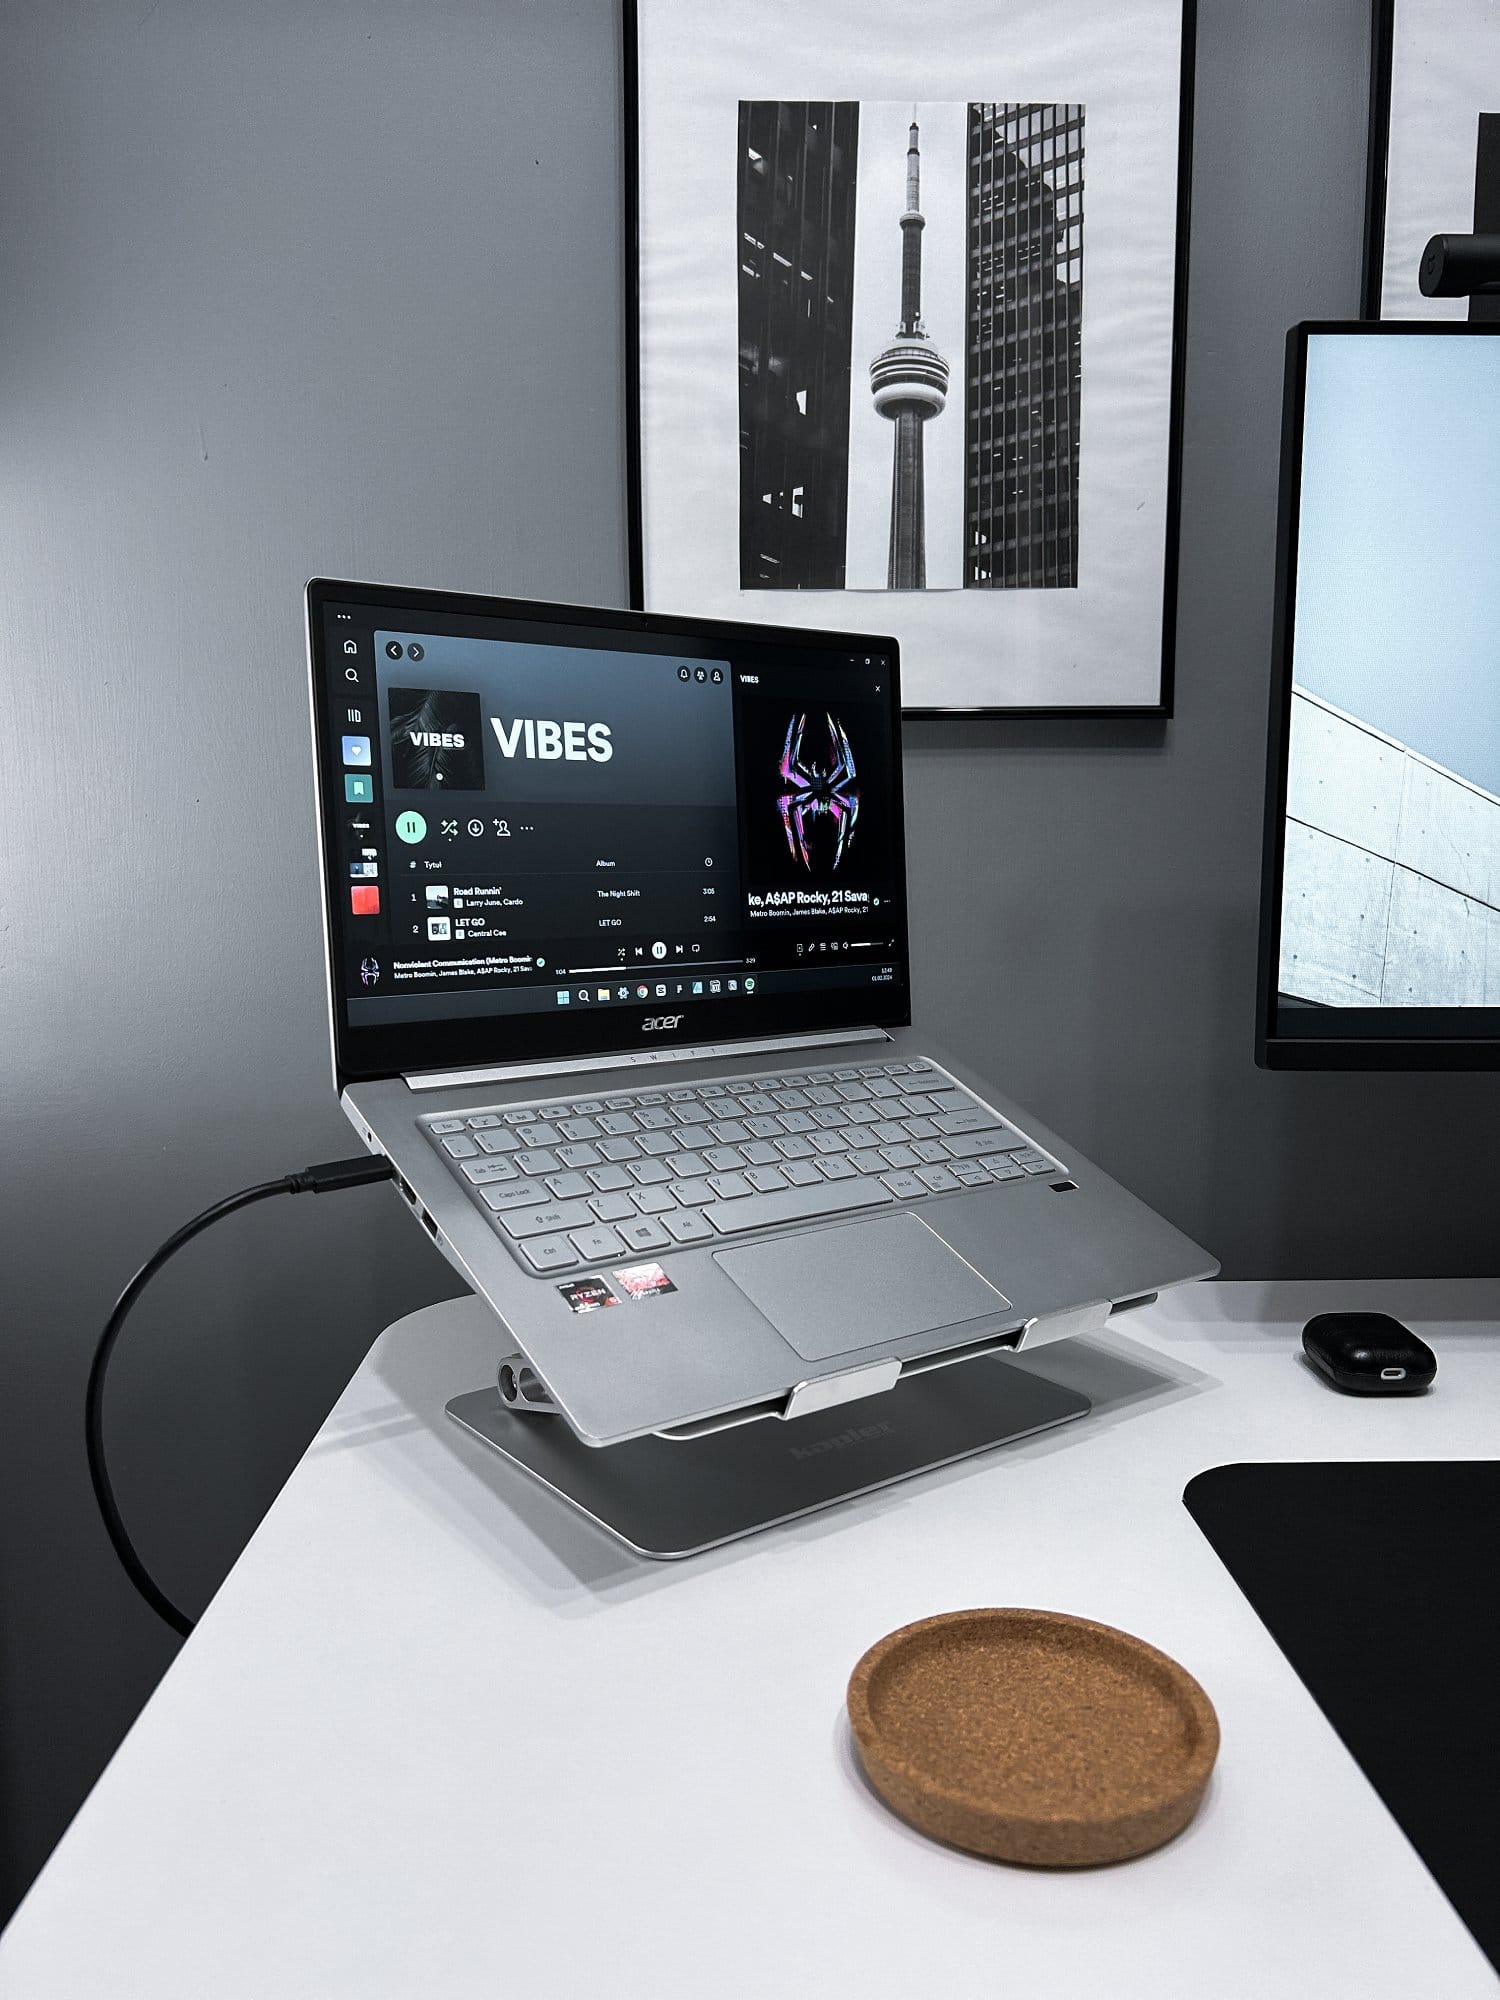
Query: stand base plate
[[666, 1499]]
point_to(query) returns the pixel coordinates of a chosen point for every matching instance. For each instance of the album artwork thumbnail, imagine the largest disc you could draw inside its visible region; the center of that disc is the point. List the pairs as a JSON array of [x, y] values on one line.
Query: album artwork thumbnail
[[437, 741]]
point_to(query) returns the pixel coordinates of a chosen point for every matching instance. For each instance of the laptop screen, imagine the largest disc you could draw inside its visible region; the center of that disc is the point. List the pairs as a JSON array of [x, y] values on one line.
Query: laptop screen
[[548, 829]]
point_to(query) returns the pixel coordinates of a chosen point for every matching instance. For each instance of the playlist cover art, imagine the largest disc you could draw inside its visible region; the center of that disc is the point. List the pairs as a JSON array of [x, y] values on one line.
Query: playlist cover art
[[437, 740]]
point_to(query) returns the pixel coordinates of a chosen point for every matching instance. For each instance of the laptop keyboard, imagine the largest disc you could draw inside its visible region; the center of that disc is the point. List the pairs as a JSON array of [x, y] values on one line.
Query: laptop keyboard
[[591, 1180]]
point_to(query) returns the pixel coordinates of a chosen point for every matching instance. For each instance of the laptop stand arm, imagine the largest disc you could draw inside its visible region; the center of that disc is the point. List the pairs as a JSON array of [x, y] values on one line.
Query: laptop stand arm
[[521, 1388]]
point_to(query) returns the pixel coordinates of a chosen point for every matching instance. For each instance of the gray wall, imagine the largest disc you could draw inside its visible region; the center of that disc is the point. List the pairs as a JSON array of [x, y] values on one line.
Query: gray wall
[[336, 287]]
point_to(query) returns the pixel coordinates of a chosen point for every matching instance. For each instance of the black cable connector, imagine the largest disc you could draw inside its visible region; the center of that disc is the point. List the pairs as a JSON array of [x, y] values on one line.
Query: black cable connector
[[329, 1178]]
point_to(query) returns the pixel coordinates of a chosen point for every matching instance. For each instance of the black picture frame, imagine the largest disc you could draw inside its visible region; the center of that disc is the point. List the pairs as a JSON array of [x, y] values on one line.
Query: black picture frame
[[1156, 710], [1428, 170], [1382, 39]]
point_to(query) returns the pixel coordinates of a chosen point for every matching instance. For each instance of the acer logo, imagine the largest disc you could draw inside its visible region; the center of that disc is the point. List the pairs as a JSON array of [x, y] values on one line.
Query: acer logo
[[546, 742], [656, 1021], [436, 739]]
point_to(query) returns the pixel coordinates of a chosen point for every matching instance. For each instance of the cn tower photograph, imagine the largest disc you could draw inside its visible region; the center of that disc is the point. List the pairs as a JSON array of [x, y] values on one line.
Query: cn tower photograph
[[906, 414], [910, 355]]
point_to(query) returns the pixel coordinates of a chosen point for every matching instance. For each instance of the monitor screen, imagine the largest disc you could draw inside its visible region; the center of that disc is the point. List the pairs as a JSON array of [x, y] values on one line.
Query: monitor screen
[[1381, 938], [544, 826]]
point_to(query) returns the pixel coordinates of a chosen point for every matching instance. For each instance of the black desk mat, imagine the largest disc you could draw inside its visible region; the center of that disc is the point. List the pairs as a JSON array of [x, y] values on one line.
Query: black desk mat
[[1381, 1584]]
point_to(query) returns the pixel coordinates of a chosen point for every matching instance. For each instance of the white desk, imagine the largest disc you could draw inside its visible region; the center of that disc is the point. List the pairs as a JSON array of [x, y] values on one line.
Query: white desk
[[437, 1736]]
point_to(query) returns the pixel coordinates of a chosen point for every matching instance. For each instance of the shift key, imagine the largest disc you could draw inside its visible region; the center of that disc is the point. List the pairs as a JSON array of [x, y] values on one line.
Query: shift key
[[554, 1215], [971, 1119]]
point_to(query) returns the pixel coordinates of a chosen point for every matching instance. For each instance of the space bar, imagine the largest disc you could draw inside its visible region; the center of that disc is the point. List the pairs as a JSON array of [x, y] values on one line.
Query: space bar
[[754, 1211]]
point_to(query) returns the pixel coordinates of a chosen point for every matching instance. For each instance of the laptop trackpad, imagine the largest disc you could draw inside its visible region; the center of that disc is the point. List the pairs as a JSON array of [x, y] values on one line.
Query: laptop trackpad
[[864, 1285]]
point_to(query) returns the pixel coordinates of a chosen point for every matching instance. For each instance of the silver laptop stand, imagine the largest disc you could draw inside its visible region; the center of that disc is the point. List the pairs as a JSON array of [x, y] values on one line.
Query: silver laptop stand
[[667, 1498]]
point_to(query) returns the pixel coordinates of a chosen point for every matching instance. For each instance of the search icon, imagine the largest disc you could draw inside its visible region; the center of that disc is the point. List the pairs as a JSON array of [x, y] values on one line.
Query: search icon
[[351, 674]]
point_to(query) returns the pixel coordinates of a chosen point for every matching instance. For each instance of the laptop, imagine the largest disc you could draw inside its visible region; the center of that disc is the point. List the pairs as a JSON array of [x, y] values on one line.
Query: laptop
[[619, 981]]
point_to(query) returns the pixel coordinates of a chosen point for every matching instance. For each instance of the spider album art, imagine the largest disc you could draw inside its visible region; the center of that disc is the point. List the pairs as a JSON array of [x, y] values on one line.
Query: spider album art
[[815, 780], [819, 782]]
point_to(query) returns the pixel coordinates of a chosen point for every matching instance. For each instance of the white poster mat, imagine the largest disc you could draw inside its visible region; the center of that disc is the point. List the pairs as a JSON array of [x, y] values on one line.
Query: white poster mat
[[1096, 645], [1445, 70]]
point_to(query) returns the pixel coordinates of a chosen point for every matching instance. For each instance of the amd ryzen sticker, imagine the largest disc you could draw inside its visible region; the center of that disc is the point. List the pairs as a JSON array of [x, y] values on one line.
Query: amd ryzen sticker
[[586, 1295], [643, 1281]]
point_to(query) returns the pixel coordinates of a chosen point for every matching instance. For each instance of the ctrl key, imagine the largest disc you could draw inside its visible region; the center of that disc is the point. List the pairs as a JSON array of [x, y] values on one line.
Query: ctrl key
[[548, 1253]]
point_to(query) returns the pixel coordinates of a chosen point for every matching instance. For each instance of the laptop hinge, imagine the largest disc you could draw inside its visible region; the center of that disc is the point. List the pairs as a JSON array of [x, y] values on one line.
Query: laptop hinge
[[451, 1079], [1065, 1325], [826, 1392]]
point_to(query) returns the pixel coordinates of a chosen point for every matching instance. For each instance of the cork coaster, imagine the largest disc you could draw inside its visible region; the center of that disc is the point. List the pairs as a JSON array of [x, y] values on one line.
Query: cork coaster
[[1033, 1736]]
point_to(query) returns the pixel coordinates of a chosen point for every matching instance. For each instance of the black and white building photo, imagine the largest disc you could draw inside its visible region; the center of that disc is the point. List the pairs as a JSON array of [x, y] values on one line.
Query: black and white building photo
[[1024, 352], [907, 356], [796, 291], [910, 345]]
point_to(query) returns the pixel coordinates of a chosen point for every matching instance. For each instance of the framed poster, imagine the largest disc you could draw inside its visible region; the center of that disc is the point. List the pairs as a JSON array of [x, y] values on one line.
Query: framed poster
[[905, 318], [1434, 146]]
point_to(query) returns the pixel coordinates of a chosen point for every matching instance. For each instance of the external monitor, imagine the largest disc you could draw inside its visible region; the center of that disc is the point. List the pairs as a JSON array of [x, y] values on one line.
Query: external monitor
[[1380, 934]]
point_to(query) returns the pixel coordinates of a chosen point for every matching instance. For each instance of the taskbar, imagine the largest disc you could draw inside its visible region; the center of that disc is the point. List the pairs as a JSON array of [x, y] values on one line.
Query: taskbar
[[394, 1009]]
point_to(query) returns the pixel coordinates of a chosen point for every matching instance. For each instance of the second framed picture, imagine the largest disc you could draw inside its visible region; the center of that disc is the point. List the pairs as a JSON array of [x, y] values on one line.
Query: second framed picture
[[907, 290], [1434, 146]]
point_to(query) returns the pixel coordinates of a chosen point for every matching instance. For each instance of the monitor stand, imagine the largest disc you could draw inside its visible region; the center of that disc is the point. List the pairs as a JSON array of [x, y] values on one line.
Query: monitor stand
[[667, 1498]]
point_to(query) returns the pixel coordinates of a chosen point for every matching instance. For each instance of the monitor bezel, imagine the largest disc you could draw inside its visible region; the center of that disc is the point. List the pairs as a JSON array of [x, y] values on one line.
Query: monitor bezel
[[1355, 1038], [506, 1040]]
